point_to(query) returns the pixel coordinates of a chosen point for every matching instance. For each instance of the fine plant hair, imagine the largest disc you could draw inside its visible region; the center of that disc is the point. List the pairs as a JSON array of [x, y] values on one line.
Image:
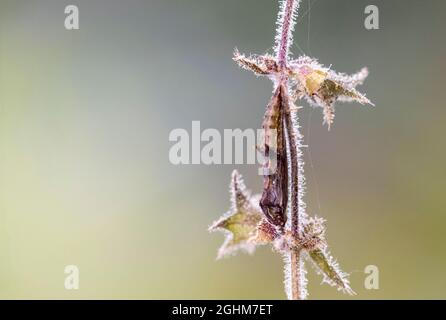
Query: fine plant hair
[[278, 216]]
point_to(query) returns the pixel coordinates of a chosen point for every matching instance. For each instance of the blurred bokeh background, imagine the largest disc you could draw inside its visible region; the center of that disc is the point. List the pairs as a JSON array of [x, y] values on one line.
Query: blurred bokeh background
[[84, 124]]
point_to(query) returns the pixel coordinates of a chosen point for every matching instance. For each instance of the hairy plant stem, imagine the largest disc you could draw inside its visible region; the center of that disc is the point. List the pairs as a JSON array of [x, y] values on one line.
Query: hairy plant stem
[[284, 43], [296, 274]]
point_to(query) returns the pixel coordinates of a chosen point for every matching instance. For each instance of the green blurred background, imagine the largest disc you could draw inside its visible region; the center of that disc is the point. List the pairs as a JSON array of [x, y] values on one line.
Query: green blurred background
[[85, 118]]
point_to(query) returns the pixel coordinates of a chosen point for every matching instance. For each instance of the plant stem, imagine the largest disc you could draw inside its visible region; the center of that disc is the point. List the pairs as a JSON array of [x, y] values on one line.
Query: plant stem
[[296, 274], [294, 181], [285, 32], [292, 140]]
